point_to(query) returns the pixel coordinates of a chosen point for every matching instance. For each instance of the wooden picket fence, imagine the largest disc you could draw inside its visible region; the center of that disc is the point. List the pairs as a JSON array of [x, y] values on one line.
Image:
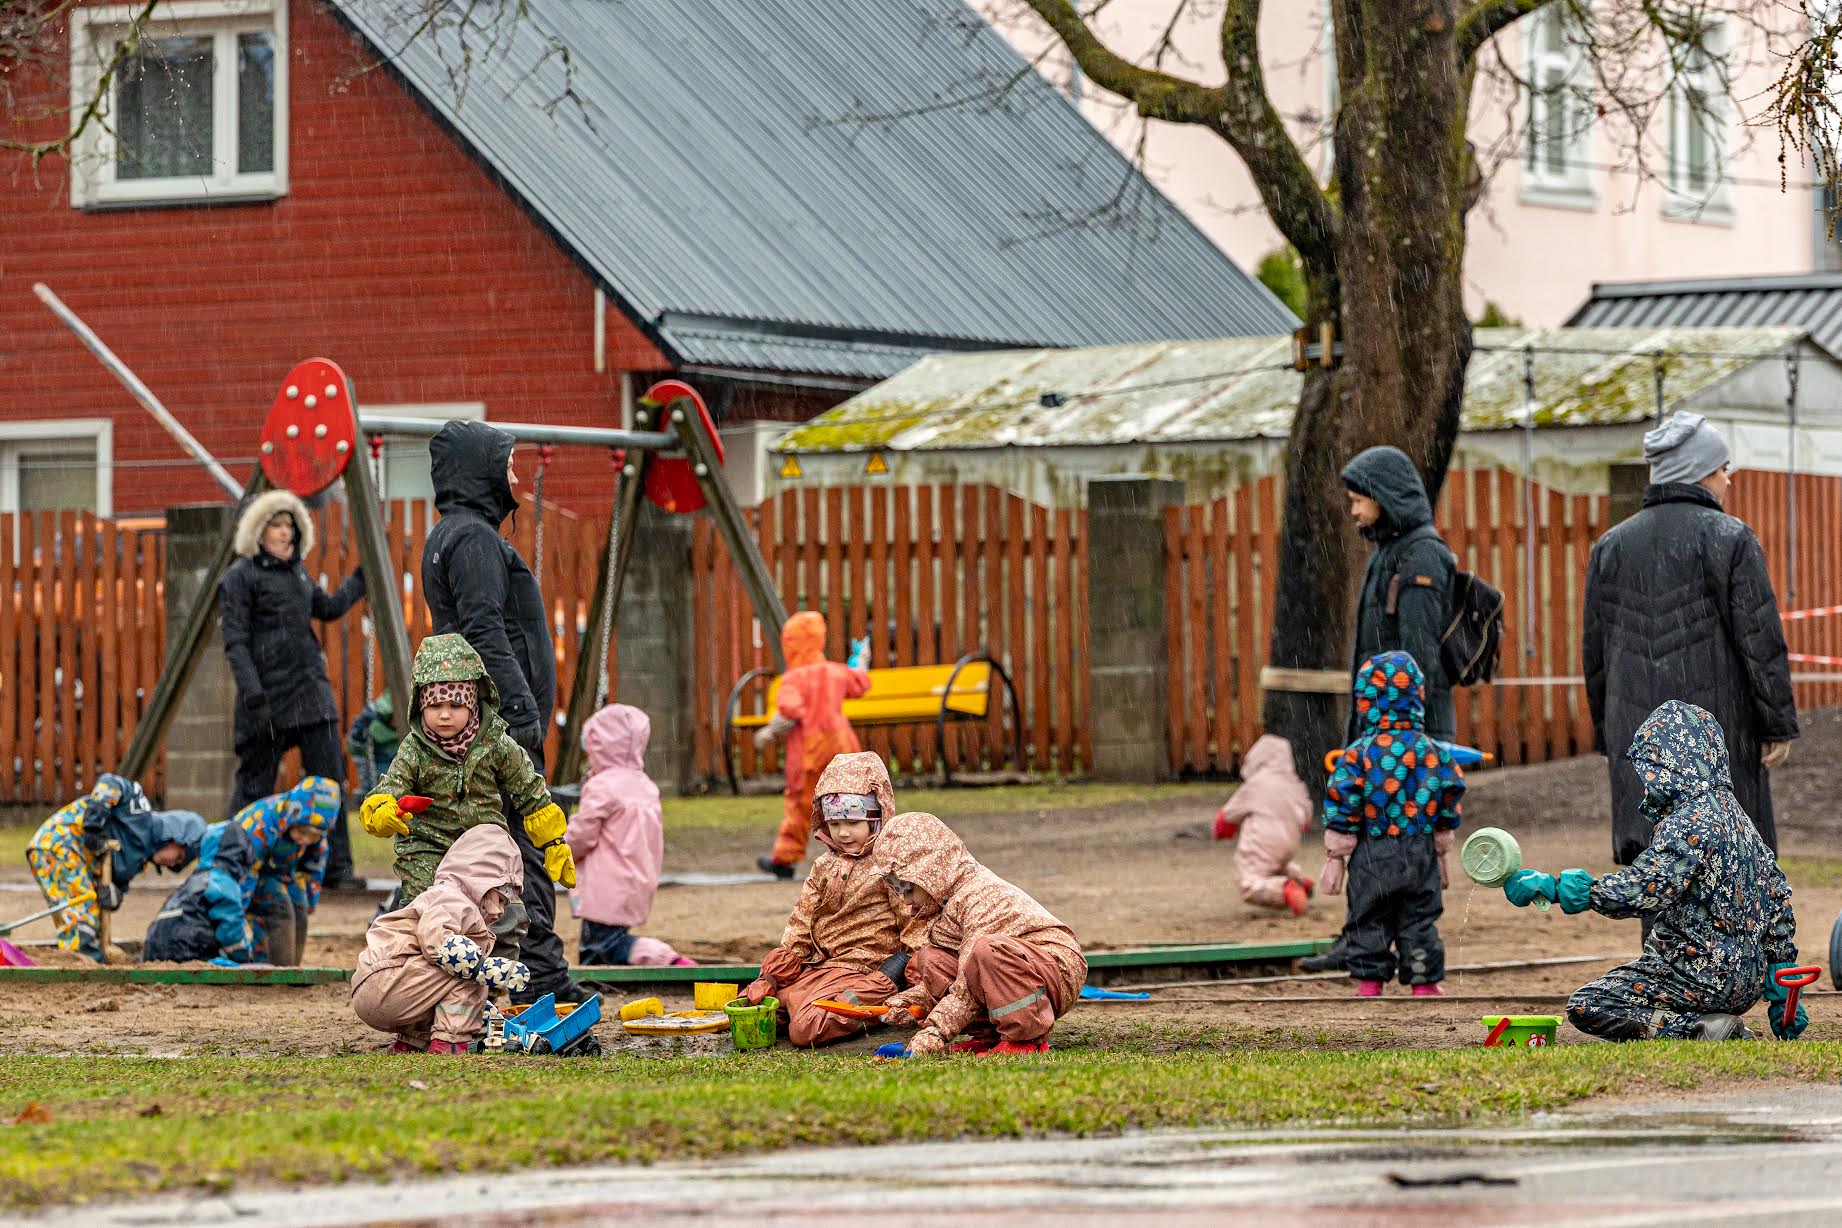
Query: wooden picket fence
[[1815, 582], [929, 573], [1221, 560]]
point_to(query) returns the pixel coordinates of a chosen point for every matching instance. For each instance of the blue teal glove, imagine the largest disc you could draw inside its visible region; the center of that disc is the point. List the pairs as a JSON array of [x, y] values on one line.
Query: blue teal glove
[[1525, 886], [1574, 891], [1775, 997]]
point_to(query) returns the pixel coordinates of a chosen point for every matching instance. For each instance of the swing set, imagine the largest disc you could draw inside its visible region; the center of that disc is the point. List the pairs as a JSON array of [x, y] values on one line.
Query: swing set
[[672, 457]]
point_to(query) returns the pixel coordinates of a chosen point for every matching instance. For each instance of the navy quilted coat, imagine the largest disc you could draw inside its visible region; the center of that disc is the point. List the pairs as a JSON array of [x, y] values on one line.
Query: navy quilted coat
[[1679, 606]]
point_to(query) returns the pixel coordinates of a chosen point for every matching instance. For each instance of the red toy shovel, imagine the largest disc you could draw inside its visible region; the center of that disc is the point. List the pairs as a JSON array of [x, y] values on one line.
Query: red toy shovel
[[414, 803], [1794, 979]]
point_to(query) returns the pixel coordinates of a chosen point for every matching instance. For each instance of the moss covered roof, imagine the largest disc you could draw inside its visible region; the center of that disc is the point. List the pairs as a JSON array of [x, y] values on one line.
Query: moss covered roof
[[1244, 388]]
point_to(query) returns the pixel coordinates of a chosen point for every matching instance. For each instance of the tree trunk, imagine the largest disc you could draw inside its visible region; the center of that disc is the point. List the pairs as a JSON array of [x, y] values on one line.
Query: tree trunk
[[1396, 294]]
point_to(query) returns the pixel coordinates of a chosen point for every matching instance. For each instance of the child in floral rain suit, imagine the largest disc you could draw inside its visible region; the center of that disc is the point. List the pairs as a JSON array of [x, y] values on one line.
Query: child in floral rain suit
[[846, 940], [65, 854], [207, 917], [1721, 906], [427, 968], [1392, 809], [996, 965], [288, 833], [809, 712]]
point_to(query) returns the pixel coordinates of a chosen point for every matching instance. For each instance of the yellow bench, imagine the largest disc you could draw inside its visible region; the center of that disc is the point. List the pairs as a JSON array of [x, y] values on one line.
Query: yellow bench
[[898, 695]]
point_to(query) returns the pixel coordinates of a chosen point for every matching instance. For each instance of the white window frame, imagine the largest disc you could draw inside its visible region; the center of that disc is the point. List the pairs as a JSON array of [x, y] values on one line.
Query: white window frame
[[1572, 186], [1682, 201], [466, 411], [58, 435], [92, 35]]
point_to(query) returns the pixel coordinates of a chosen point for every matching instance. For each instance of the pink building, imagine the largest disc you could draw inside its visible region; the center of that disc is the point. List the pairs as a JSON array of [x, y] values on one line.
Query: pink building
[[1567, 203]]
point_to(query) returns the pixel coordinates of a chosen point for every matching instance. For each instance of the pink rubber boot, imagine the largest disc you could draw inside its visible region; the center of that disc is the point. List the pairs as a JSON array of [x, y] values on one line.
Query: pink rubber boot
[[1428, 991], [1368, 989]]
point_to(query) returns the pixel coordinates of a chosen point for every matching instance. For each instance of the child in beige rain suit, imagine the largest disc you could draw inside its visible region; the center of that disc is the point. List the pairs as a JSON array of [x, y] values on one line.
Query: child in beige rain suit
[[997, 964], [427, 967], [1266, 817], [845, 940]]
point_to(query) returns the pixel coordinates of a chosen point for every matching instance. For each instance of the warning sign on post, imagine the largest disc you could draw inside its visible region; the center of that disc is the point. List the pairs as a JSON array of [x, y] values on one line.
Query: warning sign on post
[[876, 464], [789, 468]]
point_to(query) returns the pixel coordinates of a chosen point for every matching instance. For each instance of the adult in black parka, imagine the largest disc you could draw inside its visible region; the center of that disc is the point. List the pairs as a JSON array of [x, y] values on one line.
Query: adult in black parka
[[477, 587], [1679, 605], [268, 604], [1405, 601]]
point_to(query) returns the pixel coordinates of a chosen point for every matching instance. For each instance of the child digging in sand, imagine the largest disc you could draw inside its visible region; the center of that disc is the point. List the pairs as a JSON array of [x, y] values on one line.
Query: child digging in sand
[[459, 753], [997, 965], [1269, 814], [427, 967], [1392, 808], [845, 938]]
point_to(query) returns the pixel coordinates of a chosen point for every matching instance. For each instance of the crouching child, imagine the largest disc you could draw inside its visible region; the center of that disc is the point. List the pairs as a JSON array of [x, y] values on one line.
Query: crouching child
[[1391, 810], [1721, 907], [997, 965], [207, 917], [1267, 817], [288, 833], [845, 940], [427, 968]]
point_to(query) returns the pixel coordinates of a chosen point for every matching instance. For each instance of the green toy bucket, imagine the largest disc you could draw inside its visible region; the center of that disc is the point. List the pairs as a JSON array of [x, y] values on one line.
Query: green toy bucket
[[754, 1027], [1491, 857], [1520, 1031]]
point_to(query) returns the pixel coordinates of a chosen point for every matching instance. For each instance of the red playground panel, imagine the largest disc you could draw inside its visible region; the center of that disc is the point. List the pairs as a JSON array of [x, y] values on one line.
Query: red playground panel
[[311, 430]]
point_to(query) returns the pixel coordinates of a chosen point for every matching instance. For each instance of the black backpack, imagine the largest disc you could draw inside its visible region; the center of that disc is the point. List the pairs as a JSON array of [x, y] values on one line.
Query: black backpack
[[1472, 642]]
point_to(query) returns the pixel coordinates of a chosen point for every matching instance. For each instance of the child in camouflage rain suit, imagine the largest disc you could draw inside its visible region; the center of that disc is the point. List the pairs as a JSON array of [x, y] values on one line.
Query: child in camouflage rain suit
[[65, 854], [459, 753], [1722, 907], [288, 833], [1392, 809]]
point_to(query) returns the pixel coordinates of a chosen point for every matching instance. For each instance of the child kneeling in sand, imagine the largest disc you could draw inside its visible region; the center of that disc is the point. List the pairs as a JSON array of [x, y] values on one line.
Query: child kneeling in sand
[[845, 939], [997, 965], [427, 967]]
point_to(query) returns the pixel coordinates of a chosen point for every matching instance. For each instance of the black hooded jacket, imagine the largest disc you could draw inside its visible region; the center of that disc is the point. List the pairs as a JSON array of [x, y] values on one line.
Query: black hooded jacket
[[1679, 605], [1407, 545], [475, 583]]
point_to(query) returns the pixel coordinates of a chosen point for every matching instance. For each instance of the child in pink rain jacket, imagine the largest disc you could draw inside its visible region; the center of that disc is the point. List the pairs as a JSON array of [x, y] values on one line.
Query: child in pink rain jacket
[[1269, 813], [618, 838], [427, 967]]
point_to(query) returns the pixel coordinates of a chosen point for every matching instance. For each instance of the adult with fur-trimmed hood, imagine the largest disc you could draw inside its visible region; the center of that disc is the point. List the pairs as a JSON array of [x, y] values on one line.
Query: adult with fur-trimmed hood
[[268, 604], [997, 965], [847, 939], [477, 587]]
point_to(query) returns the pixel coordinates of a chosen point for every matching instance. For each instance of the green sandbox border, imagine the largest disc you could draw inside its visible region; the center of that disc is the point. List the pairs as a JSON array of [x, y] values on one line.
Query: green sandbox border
[[1137, 957]]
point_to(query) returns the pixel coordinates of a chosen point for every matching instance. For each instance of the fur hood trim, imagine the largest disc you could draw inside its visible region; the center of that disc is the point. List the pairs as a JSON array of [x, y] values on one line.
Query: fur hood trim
[[265, 507]]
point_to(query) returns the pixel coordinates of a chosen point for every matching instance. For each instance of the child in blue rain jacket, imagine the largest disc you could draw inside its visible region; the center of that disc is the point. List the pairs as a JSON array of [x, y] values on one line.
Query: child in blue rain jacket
[[208, 916], [1392, 809], [288, 833]]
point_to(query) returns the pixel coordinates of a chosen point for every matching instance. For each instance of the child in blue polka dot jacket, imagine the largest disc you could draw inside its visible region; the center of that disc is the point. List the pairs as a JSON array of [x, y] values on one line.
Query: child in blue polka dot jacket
[[1391, 813]]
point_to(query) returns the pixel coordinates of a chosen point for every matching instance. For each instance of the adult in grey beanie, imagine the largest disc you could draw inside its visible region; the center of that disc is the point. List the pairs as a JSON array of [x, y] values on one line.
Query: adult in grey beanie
[[1684, 449]]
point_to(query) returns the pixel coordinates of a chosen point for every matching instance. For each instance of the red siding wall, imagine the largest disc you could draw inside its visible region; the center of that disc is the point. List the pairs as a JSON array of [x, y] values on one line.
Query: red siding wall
[[393, 254]]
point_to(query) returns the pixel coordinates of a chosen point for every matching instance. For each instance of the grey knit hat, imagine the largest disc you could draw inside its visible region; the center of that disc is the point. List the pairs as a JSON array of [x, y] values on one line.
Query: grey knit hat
[[1684, 449]]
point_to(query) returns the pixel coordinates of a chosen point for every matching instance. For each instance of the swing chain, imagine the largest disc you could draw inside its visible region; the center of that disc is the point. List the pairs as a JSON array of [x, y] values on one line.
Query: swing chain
[[370, 628], [606, 630], [544, 452]]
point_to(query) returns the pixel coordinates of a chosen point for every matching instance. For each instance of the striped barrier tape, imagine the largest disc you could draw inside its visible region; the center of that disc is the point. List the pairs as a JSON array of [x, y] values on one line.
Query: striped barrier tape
[[1793, 616]]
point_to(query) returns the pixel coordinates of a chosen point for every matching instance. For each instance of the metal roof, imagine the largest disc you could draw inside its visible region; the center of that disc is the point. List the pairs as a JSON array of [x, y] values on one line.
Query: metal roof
[[1245, 388], [1811, 301], [707, 168]]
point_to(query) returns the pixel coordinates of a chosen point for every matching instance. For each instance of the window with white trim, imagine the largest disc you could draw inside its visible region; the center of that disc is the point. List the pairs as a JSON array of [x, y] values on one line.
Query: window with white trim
[[1698, 112], [196, 110], [1557, 138], [406, 460], [56, 466]]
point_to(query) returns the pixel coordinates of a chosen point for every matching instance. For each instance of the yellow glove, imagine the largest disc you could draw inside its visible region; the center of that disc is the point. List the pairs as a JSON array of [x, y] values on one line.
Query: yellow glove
[[382, 817], [546, 827]]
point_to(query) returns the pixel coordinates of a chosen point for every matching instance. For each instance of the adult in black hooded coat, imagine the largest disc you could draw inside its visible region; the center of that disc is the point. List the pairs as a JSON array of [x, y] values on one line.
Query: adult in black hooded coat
[[476, 586], [1406, 592], [1679, 605]]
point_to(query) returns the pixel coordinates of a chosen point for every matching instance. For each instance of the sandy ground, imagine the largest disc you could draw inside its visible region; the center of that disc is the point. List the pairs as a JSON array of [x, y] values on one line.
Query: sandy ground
[[1121, 876]]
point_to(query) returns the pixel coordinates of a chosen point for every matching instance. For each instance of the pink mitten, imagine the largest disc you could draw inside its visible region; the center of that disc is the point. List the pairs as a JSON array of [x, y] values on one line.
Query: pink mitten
[[1330, 882], [1443, 840], [1338, 845]]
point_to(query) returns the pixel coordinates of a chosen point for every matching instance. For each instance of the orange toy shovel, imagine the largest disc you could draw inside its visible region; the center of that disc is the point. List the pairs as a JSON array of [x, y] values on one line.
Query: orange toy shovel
[[858, 1010]]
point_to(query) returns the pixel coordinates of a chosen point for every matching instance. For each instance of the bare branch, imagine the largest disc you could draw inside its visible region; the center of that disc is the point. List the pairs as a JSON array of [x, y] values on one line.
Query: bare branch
[[1486, 19]]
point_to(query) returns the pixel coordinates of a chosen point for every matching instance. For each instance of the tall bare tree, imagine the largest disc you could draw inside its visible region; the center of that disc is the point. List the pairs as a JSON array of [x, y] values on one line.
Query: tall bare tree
[[1383, 243]]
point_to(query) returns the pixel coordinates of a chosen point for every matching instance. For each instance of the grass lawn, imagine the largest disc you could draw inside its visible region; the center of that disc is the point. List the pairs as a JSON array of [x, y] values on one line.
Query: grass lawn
[[120, 1127]]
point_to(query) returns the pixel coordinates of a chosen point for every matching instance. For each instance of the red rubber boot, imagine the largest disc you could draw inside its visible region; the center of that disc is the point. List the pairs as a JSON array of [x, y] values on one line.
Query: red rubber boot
[[1296, 895]]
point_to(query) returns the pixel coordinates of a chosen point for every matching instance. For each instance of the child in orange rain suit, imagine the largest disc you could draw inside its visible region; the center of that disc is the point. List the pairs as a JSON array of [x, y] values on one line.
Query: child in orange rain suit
[[427, 967], [809, 712], [845, 939], [1269, 813], [995, 959]]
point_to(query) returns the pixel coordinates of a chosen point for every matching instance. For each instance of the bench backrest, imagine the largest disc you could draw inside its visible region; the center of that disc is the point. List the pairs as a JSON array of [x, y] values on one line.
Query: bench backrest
[[906, 693]]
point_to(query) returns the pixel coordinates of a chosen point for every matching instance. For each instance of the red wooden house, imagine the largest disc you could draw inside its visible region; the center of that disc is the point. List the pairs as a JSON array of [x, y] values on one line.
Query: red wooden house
[[769, 198]]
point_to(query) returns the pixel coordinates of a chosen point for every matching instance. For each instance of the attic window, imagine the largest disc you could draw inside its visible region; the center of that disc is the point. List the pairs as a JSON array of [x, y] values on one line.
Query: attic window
[[194, 109]]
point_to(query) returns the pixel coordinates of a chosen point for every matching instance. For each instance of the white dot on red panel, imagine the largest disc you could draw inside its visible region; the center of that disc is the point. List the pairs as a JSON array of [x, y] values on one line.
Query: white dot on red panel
[[311, 401], [293, 392], [294, 432], [332, 390]]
